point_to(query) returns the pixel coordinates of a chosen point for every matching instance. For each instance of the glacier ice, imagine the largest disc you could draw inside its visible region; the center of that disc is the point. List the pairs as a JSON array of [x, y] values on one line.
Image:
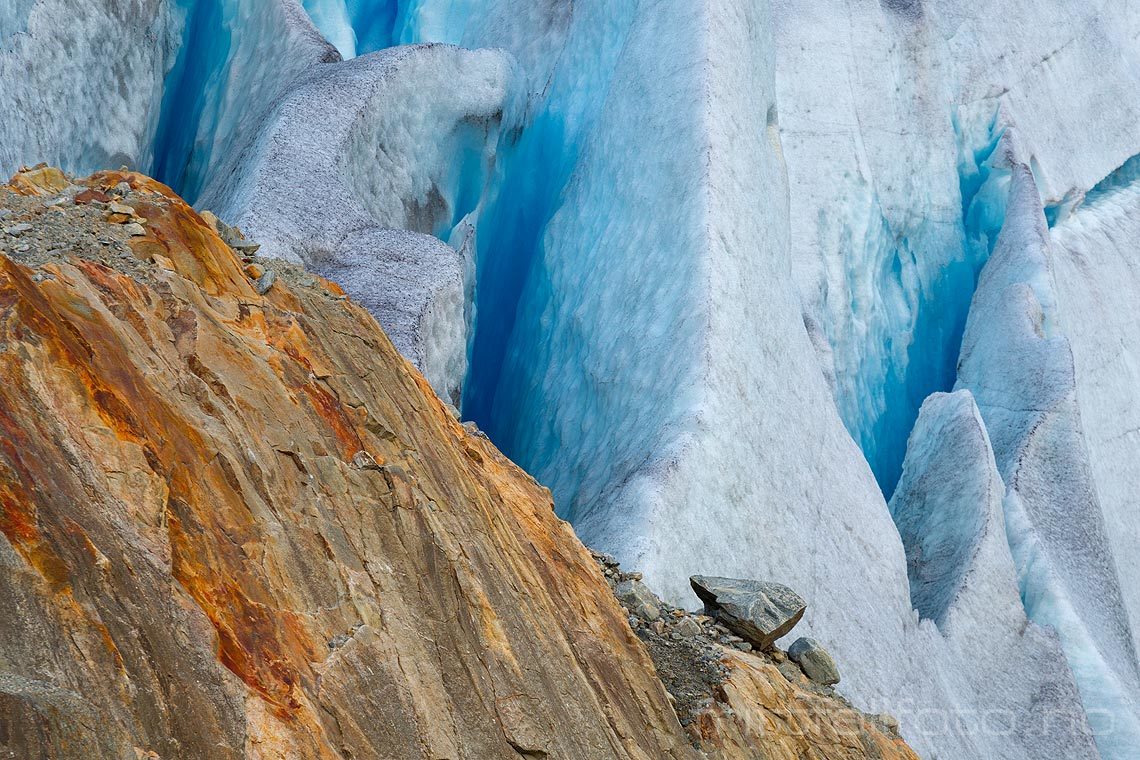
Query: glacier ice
[[950, 509], [397, 143], [1021, 370], [709, 321], [64, 98]]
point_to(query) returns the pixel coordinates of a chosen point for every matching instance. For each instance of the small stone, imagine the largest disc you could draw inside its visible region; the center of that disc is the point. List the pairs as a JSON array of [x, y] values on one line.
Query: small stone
[[890, 722], [362, 460], [743, 646], [758, 611], [116, 218], [640, 600], [121, 208], [122, 188], [265, 282], [18, 229], [815, 661], [134, 229], [777, 655], [22, 248], [658, 627], [687, 628], [254, 272], [790, 671], [606, 559], [246, 247]]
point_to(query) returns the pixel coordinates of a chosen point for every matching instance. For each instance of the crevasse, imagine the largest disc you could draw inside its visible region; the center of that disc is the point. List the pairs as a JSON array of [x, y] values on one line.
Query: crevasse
[[191, 95], [535, 165]]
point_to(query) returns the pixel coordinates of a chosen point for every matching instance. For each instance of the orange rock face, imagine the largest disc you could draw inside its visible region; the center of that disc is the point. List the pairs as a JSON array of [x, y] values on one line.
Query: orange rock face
[[772, 716], [235, 525]]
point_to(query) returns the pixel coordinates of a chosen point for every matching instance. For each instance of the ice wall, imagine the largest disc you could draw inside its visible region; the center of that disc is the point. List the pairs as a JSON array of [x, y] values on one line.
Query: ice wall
[[237, 60], [77, 89], [1097, 289]]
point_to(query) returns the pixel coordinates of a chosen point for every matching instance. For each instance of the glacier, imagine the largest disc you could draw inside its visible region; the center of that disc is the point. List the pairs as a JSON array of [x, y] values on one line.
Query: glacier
[[789, 289]]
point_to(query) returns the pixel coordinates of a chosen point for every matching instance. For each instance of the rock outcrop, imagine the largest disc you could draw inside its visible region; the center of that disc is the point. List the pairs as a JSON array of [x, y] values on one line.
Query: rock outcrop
[[735, 702], [759, 611], [236, 524]]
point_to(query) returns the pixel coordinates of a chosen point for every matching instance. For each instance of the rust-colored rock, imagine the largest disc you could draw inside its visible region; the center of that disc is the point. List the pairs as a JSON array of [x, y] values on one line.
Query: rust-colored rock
[[235, 525], [773, 718], [40, 180]]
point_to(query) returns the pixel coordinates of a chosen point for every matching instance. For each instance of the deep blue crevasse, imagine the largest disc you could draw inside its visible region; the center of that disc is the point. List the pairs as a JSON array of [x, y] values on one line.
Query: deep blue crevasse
[[941, 308], [190, 98]]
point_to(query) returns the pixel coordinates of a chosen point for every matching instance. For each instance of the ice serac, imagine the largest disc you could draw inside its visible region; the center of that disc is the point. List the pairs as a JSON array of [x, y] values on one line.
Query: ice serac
[[888, 231], [395, 147], [949, 510], [1020, 369], [80, 83]]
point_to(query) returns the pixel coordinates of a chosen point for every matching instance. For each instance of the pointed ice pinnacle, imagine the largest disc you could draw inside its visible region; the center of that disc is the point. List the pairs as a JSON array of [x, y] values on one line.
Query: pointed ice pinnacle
[[758, 611]]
